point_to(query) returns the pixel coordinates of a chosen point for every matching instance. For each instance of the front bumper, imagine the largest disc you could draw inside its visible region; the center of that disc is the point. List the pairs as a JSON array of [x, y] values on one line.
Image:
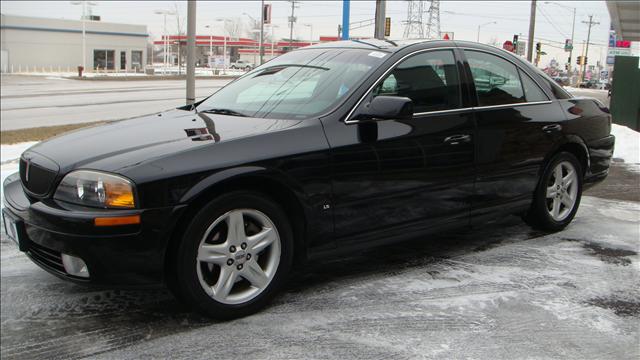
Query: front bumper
[[125, 255]]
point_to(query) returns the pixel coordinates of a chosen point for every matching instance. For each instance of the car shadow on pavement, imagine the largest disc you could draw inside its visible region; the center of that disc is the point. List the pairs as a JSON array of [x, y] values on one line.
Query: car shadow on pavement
[[112, 319]]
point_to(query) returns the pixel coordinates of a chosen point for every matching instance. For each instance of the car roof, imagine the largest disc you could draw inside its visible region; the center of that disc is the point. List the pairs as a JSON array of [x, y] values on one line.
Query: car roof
[[397, 45]]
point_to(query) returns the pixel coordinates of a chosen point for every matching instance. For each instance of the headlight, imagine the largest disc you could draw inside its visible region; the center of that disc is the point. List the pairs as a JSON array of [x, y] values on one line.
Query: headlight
[[96, 189]]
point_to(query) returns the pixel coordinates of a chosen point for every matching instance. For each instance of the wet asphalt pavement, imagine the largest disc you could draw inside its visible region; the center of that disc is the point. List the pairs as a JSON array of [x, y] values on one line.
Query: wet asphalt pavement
[[500, 292]]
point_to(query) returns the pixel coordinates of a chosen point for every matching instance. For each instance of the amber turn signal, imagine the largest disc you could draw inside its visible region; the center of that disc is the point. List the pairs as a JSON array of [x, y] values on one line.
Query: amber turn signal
[[119, 220]]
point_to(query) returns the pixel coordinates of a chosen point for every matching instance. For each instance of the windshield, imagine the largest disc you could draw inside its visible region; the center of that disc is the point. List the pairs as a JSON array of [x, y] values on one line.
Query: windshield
[[296, 85]]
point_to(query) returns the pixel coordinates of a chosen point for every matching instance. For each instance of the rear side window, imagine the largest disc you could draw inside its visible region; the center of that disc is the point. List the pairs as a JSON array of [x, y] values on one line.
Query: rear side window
[[532, 91], [497, 81], [429, 79]]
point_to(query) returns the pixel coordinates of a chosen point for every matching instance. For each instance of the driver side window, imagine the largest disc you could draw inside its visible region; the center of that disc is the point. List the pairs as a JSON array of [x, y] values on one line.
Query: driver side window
[[429, 79]]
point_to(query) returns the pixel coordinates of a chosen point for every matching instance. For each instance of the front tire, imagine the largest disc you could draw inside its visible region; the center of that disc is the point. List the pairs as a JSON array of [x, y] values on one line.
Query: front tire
[[558, 194], [234, 256]]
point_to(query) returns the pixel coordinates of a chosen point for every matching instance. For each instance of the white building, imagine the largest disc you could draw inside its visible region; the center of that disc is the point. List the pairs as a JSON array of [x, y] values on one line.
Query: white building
[[31, 44]]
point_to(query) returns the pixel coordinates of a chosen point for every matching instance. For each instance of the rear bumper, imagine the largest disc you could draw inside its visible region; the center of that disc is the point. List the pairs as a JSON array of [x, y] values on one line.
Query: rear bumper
[[126, 255], [600, 155]]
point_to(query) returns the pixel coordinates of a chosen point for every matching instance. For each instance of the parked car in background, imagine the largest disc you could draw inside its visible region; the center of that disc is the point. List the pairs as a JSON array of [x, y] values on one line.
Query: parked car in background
[[329, 149], [241, 64], [589, 84]]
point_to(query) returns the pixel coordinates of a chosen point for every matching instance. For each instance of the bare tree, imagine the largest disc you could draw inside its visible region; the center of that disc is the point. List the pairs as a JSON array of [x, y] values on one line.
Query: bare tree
[[180, 20], [234, 27]]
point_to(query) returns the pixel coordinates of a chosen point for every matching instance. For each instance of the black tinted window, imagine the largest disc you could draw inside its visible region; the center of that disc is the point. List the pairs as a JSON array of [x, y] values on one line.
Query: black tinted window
[[531, 90], [497, 81], [430, 79]]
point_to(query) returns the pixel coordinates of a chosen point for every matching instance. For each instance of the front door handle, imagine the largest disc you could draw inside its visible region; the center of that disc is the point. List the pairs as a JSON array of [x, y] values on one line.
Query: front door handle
[[457, 139], [552, 128]]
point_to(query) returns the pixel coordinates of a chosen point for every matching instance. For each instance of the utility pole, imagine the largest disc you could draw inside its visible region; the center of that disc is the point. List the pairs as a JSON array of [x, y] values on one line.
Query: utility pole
[[292, 20], [532, 28], [191, 52], [262, 32], [380, 18], [586, 55]]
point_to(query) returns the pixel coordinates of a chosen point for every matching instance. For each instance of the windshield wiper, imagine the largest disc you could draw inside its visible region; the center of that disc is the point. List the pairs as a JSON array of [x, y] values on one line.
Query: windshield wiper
[[224, 112]]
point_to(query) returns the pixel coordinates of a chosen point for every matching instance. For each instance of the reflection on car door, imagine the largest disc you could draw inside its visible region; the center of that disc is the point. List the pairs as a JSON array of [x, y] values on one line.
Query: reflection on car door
[[396, 178], [516, 129]]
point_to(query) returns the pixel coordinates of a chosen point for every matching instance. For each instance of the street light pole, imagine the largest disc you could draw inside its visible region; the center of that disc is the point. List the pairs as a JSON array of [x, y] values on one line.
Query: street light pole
[[310, 26], [532, 27], [261, 32], [84, 30], [191, 52], [481, 25]]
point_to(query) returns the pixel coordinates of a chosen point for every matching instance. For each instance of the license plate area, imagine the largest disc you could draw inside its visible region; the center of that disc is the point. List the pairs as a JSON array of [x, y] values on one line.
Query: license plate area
[[13, 227]]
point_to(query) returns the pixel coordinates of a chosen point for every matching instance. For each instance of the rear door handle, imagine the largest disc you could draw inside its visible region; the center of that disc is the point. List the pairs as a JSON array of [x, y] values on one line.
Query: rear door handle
[[457, 139], [552, 128]]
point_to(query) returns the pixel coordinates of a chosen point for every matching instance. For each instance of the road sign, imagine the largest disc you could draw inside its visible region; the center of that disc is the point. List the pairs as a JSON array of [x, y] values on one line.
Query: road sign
[[447, 35], [568, 45]]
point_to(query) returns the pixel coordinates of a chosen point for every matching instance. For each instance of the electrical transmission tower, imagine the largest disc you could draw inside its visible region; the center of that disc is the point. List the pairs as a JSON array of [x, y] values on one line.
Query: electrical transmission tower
[[415, 25], [433, 24], [414, 28]]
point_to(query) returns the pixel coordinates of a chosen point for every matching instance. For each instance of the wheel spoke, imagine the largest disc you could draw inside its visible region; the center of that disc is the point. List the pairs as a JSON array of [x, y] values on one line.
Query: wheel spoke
[[225, 283], [558, 174], [551, 192], [555, 212], [567, 200], [261, 240], [215, 254], [255, 275], [568, 180], [235, 222]]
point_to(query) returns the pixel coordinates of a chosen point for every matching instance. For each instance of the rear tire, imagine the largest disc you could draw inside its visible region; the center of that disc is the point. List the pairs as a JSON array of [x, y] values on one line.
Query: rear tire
[[234, 256], [557, 197]]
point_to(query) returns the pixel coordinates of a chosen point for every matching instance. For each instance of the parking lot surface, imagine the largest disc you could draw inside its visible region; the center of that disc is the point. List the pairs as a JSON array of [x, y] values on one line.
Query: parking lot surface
[[503, 291]]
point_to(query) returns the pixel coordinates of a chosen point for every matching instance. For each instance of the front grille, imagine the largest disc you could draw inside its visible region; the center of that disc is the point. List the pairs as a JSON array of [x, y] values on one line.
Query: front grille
[[46, 257], [40, 179]]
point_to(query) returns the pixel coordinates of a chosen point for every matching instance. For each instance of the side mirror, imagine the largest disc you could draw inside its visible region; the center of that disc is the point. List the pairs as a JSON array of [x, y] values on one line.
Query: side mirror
[[387, 108]]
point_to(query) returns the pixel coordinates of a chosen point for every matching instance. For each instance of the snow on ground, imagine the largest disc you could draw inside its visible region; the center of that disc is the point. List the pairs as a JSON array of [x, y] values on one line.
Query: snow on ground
[[504, 291], [627, 146], [9, 155]]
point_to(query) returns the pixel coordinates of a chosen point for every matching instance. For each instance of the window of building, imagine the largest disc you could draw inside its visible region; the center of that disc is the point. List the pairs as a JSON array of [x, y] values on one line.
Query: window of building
[[429, 79], [104, 59], [136, 60], [497, 81], [532, 91]]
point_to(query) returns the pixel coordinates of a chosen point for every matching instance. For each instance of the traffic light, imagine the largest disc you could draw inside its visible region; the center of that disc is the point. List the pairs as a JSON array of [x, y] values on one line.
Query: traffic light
[[579, 60], [515, 43], [538, 47], [585, 61], [387, 26]]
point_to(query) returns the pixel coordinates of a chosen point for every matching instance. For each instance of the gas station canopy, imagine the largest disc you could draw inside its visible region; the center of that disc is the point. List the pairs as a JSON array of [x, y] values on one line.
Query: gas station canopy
[[625, 18]]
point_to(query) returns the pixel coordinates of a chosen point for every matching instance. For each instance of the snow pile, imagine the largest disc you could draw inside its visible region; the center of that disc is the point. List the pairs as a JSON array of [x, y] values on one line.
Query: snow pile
[[627, 146], [9, 156]]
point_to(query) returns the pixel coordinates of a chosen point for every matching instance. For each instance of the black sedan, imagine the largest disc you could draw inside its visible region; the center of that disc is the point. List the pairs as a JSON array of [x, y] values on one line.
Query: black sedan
[[328, 149]]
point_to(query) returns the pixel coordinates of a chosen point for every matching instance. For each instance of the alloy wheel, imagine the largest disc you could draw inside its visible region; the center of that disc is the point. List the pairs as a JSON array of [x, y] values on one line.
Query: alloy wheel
[[238, 256], [562, 191]]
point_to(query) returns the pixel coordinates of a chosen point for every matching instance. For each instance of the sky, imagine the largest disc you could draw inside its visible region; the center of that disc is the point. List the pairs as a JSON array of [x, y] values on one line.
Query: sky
[[553, 19]]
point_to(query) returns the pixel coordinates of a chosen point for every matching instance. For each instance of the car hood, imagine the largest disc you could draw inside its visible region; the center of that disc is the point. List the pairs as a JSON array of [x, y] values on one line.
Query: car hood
[[126, 143]]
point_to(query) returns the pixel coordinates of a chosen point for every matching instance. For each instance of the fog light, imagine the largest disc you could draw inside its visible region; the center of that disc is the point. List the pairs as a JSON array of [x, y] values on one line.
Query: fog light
[[75, 266]]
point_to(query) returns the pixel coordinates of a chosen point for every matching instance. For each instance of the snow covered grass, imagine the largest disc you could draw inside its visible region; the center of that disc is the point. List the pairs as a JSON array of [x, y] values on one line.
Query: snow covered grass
[[9, 155], [627, 146]]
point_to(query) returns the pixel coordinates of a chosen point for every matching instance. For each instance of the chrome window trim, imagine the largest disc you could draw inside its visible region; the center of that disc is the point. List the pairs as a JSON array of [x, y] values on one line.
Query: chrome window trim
[[438, 112], [347, 119], [518, 67]]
